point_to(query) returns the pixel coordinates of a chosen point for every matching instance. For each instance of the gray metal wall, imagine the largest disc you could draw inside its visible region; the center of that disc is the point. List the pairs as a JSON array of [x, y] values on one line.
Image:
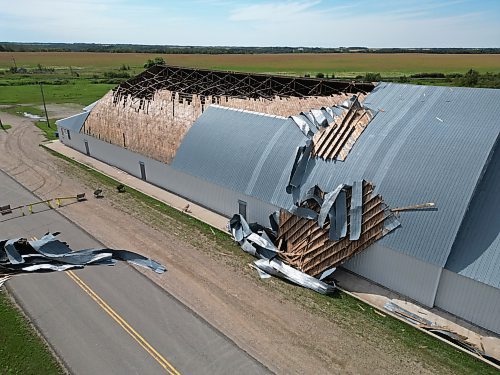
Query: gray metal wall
[[471, 300], [399, 272], [219, 199]]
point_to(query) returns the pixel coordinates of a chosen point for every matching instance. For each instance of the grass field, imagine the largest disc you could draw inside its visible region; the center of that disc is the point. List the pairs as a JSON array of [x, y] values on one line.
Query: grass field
[[81, 77], [340, 64], [76, 91], [21, 350]]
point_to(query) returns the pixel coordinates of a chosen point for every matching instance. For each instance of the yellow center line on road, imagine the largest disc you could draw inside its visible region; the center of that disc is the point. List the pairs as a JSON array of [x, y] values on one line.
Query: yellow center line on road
[[127, 328]]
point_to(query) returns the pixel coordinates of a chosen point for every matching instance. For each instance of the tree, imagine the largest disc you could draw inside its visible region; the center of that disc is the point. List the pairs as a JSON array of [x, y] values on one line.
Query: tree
[[155, 61], [471, 78]]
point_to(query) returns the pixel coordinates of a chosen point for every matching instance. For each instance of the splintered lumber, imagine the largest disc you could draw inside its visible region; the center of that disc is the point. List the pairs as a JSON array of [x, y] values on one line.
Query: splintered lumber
[[336, 140], [307, 247]]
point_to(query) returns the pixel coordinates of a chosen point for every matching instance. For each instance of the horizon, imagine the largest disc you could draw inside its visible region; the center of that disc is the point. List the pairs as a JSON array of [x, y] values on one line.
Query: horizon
[[239, 46]]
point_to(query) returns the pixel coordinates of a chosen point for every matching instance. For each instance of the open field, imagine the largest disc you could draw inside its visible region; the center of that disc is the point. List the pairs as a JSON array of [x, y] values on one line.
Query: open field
[[84, 77], [340, 64], [77, 91]]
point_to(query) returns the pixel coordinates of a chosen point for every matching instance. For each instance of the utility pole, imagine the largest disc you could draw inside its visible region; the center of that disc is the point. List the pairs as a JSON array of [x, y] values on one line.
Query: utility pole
[[44, 106]]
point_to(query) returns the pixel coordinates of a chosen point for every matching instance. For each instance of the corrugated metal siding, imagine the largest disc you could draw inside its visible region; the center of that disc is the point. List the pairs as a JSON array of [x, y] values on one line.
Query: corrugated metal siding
[[73, 123], [471, 300], [217, 198], [476, 251], [240, 150], [414, 157], [401, 273]]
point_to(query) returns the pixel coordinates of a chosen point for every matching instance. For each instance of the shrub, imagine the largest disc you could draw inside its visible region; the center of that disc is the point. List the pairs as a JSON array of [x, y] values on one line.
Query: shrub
[[155, 61], [373, 77]]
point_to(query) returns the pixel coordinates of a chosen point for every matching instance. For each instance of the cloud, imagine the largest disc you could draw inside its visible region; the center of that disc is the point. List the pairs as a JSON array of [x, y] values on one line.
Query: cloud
[[274, 11]]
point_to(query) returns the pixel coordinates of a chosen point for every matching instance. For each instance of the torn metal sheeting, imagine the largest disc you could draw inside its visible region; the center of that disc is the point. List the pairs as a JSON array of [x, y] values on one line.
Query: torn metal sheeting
[[319, 117], [257, 245], [277, 268], [300, 166], [349, 219], [48, 254], [407, 315], [303, 126], [260, 246], [356, 210]]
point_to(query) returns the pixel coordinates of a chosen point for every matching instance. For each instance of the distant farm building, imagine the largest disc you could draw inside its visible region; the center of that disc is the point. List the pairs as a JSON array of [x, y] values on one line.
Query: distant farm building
[[254, 144]]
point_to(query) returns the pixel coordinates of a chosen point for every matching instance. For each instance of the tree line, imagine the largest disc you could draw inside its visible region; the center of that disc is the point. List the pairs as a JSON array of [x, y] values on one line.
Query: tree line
[[170, 49]]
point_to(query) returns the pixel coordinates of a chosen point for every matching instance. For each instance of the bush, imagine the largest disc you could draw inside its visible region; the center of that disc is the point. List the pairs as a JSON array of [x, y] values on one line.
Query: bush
[[428, 75], [320, 75], [155, 61], [373, 77]]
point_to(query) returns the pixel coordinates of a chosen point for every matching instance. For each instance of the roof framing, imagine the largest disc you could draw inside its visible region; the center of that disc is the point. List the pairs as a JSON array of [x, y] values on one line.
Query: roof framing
[[189, 81]]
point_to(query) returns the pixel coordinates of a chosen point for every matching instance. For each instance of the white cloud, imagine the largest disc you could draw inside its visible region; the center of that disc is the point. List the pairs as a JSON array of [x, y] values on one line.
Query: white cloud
[[274, 11]]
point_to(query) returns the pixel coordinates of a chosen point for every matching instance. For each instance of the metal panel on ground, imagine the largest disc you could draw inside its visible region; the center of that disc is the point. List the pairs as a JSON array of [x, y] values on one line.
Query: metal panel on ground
[[471, 300]]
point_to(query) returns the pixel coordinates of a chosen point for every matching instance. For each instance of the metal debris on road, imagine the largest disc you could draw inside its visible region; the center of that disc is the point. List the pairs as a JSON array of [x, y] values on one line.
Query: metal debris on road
[[48, 254]]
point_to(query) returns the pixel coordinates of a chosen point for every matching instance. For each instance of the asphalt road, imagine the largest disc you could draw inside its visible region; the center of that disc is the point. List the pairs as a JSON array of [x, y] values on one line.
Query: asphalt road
[[112, 320]]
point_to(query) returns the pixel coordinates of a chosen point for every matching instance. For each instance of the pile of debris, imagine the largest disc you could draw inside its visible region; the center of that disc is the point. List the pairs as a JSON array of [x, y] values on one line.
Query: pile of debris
[[306, 243], [441, 331], [48, 254]]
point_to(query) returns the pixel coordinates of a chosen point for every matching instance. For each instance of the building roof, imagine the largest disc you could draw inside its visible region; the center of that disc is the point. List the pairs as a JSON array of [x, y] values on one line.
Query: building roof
[[476, 251], [244, 151], [426, 144], [73, 123]]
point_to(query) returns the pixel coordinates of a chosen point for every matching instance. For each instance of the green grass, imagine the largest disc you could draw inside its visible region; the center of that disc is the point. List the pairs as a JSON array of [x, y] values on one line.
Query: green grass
[[6, 126], [50, 133], [21, 349], [80, 91], [342, 309]]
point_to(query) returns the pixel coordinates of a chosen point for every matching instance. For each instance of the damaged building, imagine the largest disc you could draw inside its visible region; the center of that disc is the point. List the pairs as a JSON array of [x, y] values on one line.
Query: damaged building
[[417, 170]]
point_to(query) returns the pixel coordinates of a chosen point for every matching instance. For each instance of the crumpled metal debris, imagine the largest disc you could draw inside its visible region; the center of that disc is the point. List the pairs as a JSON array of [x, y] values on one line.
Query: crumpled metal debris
[[260, 245], [441, 331], [48, 254], [407, 315], [334, 208]]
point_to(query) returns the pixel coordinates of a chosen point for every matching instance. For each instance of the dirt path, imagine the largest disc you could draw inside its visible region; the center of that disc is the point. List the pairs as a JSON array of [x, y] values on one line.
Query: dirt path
[[219, 286]]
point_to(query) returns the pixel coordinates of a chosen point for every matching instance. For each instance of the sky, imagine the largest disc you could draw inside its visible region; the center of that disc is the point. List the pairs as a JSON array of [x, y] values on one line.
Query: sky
[[295, 23]]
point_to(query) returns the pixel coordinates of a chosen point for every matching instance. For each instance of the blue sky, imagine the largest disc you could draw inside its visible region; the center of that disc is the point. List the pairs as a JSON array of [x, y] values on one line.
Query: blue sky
[[323, 23]]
